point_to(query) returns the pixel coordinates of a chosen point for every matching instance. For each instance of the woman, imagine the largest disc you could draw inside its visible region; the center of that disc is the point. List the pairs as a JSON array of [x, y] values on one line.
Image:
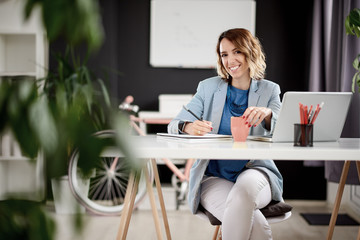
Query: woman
[[234, 190]]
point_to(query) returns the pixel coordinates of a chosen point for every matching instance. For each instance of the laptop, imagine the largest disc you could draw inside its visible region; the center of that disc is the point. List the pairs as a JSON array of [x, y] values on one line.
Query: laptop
[[327, 126]]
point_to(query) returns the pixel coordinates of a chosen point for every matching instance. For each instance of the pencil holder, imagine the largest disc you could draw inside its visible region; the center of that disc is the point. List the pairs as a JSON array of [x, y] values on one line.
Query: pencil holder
[[303, 135]]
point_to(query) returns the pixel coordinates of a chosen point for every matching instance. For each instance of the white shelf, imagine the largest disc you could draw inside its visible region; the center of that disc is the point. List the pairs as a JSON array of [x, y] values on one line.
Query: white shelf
[[23, 56], [9, 31], [12, 18], [18, 53], [18, 74], [14, 158]]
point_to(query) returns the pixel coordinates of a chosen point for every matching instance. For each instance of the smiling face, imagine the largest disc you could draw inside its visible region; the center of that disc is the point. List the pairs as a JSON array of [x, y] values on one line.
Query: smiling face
[[234, 61]]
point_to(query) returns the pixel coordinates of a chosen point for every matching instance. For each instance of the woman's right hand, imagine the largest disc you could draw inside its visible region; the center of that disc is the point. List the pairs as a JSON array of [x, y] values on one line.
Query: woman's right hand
[[198, 127]]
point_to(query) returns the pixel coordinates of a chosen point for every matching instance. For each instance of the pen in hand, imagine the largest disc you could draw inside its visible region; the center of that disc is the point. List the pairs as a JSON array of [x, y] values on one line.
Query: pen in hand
[[202, 128], [188, 110]]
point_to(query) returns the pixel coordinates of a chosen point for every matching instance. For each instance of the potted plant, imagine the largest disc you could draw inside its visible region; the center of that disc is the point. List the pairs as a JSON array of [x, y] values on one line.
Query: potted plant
[[51, 125], [70, 88], [352, 26], [61, 115], [72, 85]]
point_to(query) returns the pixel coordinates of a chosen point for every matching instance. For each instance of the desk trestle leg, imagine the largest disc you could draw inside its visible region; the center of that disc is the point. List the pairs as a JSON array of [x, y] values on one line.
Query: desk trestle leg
[[161, 198], [339, 194], [128, 205], [153, 206], [130, 199]]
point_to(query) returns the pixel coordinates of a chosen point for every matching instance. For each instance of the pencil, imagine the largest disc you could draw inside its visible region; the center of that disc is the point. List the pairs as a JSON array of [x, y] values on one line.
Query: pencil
[[317, 112], [301, 114], [198, 118]]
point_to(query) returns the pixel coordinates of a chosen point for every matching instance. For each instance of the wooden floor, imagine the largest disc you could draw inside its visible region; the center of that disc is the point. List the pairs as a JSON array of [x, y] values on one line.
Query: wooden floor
[[185, 226]]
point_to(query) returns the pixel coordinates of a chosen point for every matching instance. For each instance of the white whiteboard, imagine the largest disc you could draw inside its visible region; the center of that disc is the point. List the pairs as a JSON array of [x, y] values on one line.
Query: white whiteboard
[[184, 33]]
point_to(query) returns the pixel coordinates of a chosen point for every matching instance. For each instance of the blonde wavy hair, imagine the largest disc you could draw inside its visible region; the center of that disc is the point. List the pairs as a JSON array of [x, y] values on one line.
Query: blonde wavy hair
[[247, 44]]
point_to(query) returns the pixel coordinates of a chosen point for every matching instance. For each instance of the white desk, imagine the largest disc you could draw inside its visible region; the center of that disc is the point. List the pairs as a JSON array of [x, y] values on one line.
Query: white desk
[[154, 147]]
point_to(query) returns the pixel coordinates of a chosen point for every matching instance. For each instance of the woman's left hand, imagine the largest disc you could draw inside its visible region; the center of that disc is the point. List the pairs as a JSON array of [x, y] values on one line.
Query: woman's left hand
[[255, 115]]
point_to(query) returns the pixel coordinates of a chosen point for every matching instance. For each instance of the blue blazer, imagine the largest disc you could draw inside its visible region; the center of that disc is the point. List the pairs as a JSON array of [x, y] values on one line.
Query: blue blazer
[[209, 102]]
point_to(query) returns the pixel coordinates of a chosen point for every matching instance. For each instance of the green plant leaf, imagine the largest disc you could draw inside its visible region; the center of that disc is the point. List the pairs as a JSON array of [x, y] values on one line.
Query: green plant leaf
[[355, 17], [44, 124], [22, 219], [356, 80], [357, 31], [105, 93], [120, 124], [20, 97], [61, 100], [356, 62], [352, 23], [29, 6], [4, 96]]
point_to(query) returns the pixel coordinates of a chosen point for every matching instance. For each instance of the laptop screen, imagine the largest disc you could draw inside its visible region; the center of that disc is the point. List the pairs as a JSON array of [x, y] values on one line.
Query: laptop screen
[[329, 123]]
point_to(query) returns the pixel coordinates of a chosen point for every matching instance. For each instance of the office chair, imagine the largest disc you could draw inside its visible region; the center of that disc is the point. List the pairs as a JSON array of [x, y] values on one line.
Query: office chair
[[275, 212]]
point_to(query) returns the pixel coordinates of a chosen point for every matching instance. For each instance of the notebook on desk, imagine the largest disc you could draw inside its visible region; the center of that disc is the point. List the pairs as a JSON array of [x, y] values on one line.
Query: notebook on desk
[[328, 125], [193, 138]]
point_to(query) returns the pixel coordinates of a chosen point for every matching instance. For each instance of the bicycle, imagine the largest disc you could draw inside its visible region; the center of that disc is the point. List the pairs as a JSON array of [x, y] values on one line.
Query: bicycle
[[109, 181], [107, 184]]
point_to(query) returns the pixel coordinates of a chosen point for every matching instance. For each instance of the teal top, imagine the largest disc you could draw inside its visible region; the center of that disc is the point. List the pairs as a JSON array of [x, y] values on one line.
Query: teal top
[[235, 105]]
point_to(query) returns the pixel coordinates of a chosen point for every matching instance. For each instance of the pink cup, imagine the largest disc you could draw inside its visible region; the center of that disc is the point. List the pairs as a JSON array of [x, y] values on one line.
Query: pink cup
[[239, 129]]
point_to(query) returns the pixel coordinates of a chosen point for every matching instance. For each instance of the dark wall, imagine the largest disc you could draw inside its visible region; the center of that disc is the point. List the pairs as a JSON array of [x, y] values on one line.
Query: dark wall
[[285, 32], [283, 29], [141, 80]]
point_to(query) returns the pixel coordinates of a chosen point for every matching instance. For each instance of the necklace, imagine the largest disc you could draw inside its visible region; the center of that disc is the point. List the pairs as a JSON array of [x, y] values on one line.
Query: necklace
[[237, 100]]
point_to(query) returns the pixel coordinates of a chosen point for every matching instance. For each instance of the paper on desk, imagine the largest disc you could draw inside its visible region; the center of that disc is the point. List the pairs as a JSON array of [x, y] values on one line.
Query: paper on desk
[[193, 138]]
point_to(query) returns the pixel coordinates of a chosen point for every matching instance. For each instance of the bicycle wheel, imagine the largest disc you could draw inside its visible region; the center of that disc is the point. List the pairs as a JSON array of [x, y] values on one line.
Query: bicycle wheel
[[105, 190]]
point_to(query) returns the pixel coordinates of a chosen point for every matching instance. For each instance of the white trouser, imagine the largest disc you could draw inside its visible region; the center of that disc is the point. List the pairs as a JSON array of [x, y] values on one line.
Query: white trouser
[[237, 204]]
